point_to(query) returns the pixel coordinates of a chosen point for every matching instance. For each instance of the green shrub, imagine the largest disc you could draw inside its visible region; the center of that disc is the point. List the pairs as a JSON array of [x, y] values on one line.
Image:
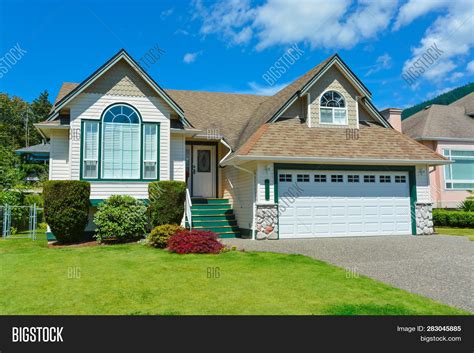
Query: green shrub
[[120, 218], [159, 236], [66, 208], [459, 219], [166, 202], [32, 199], [468, 204]]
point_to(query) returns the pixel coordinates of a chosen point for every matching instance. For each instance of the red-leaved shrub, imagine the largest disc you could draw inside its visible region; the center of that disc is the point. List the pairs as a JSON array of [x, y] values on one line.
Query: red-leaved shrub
[[194, 242]]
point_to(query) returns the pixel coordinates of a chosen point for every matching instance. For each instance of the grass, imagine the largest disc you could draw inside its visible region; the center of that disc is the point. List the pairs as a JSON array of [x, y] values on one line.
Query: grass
[[133, 279], [468, 232]]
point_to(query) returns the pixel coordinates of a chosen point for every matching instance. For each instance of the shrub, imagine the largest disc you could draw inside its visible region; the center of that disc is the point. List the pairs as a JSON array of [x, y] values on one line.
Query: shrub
[[66, 208], [459, 219], [194, 242], [468, 204], [166, 202], [32, 199], [120, 218], [160, 235]]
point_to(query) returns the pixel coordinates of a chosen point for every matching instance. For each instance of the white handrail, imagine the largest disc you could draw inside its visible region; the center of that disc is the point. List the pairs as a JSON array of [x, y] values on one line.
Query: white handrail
[[187, 205]]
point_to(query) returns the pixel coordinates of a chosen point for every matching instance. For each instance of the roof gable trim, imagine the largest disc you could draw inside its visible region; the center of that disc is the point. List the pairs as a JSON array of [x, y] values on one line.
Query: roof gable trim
[[122, 54]]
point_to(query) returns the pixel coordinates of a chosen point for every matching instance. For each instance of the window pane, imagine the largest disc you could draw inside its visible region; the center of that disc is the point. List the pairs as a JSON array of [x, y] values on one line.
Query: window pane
[[150, 148], [326, 115], [462, 169], [204, 161], [149, 170], [339, 116], [121, 151], [90, 169]]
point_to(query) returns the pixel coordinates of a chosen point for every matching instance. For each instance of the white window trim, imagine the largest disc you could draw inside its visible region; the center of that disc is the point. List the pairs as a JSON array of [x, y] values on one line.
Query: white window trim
[[97, 152], [447, 153], [156, 154], [346, 121]]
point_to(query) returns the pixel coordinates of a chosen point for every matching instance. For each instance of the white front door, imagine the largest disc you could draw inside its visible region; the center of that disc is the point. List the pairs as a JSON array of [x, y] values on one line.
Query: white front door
[[204, 171], [342, 203]]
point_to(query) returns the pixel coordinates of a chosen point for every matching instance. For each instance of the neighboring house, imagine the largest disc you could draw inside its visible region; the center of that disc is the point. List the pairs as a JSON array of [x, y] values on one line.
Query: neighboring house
[[36, 154], [316, 159], [448, 130]]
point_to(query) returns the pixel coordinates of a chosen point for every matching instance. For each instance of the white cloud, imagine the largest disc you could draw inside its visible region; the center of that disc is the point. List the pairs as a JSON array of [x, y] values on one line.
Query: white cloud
[[166, 13], [191, 57], [416, 8], [470, 67], [335, 24], [437, 92], [383, 62], [452, 32], [263, 90]]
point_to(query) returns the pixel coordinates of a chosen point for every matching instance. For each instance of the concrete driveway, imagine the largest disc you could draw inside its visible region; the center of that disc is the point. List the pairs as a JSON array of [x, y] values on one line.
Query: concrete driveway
[[438, 267]]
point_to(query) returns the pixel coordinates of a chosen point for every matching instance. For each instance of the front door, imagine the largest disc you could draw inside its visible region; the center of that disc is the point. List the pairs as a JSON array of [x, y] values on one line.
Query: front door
[[204, 171]]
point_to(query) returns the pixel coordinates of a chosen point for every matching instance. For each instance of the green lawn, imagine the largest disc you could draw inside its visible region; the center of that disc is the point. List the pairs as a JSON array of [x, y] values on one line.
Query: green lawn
[[468, 232], [136, 280]]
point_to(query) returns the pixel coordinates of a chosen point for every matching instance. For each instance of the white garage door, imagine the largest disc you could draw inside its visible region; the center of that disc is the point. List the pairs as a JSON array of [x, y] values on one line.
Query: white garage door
[[336, 203]]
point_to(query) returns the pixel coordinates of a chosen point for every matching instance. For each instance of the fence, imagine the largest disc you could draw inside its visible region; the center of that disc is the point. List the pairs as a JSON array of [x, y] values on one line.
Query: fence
[[19, 222]]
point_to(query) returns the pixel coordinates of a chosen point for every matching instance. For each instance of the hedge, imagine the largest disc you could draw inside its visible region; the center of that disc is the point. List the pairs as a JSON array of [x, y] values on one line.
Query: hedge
[[166, 202], [459, 219], [66, 208]]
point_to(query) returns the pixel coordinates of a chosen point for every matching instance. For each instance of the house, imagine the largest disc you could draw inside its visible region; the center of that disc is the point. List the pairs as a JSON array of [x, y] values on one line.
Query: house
[[316, 159], [447, 130]]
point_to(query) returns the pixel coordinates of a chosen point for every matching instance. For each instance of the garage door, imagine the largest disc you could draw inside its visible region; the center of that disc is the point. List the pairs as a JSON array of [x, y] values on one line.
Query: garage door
[[336, 203]]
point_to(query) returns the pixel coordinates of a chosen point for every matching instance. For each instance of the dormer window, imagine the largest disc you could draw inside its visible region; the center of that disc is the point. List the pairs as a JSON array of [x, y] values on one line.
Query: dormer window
[[332, 109]]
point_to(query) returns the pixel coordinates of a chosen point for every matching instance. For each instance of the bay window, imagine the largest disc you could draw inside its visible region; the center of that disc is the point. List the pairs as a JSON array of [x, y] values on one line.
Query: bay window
[[120, 146], [460, 174]]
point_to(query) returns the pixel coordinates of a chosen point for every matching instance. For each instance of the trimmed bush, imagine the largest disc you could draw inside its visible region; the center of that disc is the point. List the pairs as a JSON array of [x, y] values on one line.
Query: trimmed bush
[[66, 208], [166, 202], [120, 218], [458, 219], [194, 242], [159, 236]]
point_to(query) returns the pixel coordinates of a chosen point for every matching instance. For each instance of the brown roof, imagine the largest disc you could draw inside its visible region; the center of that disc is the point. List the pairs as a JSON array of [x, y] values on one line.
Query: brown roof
[[66, 87], [449, 121], [292, 138], [270, 107], [226, 112]]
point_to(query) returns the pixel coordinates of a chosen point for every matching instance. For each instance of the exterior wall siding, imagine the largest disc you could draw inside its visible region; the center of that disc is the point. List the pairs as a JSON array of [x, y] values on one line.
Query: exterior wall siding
[[237, 187], [423, 192], [59, 159], [90, 106], [177, 158], [333, 79], [265, 171]]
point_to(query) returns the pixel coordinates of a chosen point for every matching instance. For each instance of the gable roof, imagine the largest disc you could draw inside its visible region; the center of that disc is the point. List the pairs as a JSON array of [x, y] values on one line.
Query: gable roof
[[225, 113], [237, 117], [442, 121], [275, 105], [121, 55], [291, 138]]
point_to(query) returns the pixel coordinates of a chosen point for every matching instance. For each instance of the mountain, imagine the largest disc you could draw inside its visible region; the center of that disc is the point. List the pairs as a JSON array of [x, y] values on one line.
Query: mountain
[[443, 99]]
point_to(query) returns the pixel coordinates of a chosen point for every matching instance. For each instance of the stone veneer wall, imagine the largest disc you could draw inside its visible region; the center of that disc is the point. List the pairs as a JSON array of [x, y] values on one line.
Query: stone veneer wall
[[424, 218], [267, 222]]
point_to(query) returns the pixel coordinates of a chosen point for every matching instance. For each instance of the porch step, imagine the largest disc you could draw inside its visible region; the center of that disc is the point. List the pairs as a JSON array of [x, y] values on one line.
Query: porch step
[[215, 215], [212, 206], [209, 201]]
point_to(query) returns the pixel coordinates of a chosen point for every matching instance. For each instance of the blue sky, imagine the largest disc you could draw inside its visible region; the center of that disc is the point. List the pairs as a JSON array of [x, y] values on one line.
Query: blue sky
[[229, 45]]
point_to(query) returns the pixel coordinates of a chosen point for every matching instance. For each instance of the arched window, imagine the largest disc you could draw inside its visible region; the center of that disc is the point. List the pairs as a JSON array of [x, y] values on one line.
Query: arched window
[[332, 109], [128, 148], [121, 143]]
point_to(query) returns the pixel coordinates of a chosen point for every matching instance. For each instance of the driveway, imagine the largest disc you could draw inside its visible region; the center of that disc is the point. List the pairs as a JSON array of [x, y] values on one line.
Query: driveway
[[439, 267]]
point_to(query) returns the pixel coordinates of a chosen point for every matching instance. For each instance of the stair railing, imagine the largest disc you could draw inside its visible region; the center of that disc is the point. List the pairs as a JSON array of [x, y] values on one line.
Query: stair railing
[[187, 209]]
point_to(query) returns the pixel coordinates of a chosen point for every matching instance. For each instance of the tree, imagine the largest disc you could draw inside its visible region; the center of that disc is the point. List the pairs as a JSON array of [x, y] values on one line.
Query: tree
[[10, 173]]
